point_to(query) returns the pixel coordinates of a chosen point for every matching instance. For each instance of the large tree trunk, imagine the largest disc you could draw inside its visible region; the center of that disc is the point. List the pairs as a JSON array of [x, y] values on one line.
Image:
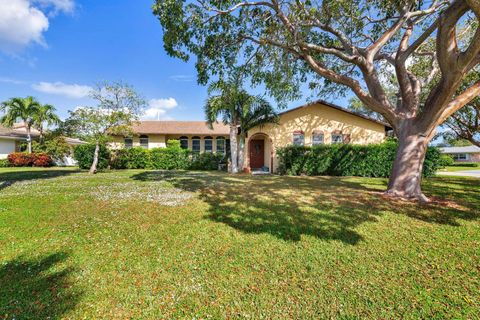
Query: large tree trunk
[[406, 177], [233, 149], [93, 168]]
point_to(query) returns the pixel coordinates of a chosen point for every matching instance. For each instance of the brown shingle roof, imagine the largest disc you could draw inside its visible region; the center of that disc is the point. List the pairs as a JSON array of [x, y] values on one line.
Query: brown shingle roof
[[179, 127]]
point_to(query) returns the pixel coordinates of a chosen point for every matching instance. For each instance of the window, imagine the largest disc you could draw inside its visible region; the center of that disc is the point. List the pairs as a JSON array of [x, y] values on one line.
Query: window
[[144, 142], [227, 147], [184, 142], [337, 138], [208, 144], [220, 145], [460, 156], [196, 144], [318, 138], [298, 138], [128, 143]]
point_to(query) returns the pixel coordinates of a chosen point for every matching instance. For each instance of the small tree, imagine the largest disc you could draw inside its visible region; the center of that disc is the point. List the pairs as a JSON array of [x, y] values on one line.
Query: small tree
[[119, 106], [24, 109]]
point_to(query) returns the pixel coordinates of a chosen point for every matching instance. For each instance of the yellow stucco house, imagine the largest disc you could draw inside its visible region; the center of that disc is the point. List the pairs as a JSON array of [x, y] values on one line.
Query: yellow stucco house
[[312, 124]]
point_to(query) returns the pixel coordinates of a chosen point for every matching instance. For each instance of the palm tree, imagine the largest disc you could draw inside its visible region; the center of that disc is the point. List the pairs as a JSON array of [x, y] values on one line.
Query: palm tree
[[45, 115], [24, 109], [239, 110]]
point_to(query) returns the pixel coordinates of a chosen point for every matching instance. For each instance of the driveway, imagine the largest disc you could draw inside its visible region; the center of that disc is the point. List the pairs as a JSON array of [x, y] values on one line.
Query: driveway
[[464, 173]]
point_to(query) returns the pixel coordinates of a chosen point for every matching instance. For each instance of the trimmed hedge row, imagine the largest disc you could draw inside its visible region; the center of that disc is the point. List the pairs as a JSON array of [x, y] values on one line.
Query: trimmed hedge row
[[171, 158], [23, 159], [374, 160]]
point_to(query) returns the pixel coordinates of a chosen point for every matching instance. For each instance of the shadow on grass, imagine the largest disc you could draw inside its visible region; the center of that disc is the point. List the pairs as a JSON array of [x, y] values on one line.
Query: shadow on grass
[[325, 207], [9, 178], [36, 289]]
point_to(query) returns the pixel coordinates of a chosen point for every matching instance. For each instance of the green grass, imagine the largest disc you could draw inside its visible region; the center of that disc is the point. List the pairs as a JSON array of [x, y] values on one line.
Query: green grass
[[466, 166], [198, 245]]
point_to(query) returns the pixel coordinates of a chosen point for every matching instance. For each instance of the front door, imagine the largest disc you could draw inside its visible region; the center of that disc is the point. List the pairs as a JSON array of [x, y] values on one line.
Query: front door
[[256, 151]]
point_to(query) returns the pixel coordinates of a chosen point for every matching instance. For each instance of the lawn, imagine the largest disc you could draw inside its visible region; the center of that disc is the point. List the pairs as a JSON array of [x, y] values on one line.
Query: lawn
[[198, 245], [472, 166]]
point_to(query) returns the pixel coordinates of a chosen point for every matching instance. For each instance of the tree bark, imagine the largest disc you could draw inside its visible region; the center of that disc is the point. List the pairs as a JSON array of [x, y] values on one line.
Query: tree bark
[[241, 151], [233, 149], [29, 139], [93, 168], [406, 177]]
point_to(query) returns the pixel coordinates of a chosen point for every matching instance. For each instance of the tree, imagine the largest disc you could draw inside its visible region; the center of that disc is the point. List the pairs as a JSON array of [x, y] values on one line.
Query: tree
[[239, 110], [119, 106], [464, 124], [24, 109], [45, 114], [340, 46]]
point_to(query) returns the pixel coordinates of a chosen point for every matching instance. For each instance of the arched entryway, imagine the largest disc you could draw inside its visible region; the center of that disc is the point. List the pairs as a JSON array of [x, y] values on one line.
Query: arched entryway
[[259, 153]]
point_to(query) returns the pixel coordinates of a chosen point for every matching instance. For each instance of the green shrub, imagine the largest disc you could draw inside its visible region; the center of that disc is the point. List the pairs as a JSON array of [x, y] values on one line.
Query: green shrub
[[133, 158], [4, 163], [446, 161], [173, 157], [84, 153], [206, 161], [374, 160], [466, 164]]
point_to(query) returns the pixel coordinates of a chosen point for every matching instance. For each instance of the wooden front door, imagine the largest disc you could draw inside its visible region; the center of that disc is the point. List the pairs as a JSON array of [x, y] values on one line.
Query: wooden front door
[[256, 150]]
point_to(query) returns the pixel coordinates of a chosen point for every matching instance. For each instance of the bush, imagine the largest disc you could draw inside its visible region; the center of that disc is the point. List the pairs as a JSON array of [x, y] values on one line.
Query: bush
[[206, 161], [56, 147], [22, 159], [4, 163], [133, 158], [347, 160], [446, 161], [84, 153], [171, 158]]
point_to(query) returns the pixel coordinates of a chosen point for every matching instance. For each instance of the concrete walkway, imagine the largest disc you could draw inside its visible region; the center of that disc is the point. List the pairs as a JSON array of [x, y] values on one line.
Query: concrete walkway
[[463, 173]]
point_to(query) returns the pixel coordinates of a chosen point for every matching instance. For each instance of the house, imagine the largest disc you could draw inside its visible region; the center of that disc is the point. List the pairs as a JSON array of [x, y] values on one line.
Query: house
[[463, 154], [11, 139], [312, 124]]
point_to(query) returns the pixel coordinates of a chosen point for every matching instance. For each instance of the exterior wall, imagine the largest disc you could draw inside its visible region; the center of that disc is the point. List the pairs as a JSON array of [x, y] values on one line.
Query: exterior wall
[[160, 141], [317, 118], [7, 146], [154, 141], [472, 157]]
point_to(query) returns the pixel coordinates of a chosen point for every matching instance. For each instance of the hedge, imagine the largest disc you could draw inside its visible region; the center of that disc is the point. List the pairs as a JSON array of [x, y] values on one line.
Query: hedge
[[83, 154], [173, 157], [374, 160], [23, 159]]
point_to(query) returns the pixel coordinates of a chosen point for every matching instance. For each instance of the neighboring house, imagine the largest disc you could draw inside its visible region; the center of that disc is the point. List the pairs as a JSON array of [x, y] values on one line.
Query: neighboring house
[[11, 138], [312, 124], [463, 154]]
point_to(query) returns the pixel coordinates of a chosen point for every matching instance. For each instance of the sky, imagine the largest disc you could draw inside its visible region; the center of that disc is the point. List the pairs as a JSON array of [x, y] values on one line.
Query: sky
[[56, 50]]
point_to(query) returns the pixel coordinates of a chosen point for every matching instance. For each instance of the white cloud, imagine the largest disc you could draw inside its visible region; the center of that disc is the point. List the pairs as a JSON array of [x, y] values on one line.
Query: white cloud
[[20, 25], [59, 88], [23, 22], [158, 108], [67, 6], [11, 80]]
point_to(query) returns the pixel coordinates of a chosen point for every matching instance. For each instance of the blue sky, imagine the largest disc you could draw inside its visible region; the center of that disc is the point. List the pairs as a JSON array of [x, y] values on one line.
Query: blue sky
[[56, 49]]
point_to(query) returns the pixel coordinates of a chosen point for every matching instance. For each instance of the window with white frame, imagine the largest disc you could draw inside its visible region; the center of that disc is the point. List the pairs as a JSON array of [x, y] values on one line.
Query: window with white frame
[[196, 144], [318, 138], [298, 138], [144, 141], [184, 142], [208, 144], [220, 145], [337, 138], [461, 156], [128, 143]]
